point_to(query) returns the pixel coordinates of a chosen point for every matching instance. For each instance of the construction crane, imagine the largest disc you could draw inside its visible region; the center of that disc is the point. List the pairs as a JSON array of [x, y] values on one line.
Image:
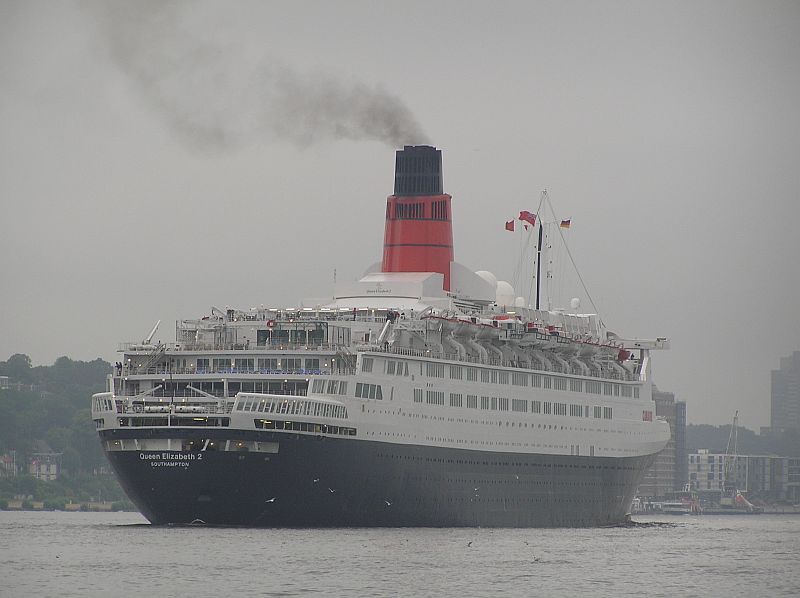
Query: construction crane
[[729, 483]]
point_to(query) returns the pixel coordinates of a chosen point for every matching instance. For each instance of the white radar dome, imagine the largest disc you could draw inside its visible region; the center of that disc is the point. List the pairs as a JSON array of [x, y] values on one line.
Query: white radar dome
[[574, 303], [505, 293], [519, 302]]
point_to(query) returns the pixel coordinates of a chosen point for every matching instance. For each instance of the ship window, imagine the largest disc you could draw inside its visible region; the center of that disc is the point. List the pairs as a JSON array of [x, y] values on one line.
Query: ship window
[[616, 390], [221, 364], [472, 401], [343, 388], [312, 364], [435, 370], [575, 385], [519, 405], [547, 382], [318, 386], [593, 387], [292, 364], [371, 391], [547, 406], [456, 400], [485, 402], [635, 392], [519, 379], [333, 387], [494, 376], [537, 406], [576, 410], [502, 404], [607, 413], [560, 408], [608, 388], [202, 365], [243, 365], [560, 383], [433, 397], [472, 374], [626, 391], [390, 365], [485, 376], [417, 395], [597, 412], [455, 372], [267, 364], [366, 364]]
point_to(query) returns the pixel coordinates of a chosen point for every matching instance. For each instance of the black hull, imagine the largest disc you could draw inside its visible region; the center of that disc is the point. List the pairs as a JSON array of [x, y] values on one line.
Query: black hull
[[338, 482]]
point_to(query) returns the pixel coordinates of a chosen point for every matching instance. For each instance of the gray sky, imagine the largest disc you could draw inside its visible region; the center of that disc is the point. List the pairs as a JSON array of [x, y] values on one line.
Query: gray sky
[[156, 161]]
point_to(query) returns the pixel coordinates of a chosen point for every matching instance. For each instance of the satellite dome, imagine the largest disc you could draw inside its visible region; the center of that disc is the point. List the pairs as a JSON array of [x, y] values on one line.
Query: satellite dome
[[505, 293], [574, 303], [519, 302]]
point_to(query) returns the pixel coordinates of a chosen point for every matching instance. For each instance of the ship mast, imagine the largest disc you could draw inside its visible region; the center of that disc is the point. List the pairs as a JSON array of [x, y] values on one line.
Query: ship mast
[[538, 263]]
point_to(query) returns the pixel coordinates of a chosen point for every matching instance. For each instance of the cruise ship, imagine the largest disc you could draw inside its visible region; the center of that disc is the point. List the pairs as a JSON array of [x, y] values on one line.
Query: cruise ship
[[423, 394]]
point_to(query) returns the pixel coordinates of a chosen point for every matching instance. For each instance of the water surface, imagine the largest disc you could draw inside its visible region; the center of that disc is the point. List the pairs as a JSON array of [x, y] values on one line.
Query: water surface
[[104, 554]]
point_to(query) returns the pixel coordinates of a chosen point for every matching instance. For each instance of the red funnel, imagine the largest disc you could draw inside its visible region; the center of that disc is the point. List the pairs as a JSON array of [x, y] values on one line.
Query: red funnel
[[419, 233]]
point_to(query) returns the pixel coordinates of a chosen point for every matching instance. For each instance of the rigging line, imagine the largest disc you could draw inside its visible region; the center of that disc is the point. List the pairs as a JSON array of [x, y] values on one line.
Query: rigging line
[[522, 253], [571, 259]]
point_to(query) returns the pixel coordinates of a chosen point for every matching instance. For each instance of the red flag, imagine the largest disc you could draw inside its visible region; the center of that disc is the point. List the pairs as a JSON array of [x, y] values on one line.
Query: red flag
[[526, 226], [528, 217], [565, 223], [510, 225]]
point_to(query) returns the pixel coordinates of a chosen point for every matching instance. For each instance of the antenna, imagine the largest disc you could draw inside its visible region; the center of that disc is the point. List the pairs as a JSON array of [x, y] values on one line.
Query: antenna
[[152, 332]]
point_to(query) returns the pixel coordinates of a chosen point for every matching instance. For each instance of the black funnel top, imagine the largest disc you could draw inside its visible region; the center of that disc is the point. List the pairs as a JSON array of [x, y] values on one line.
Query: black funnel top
[[418, 171]]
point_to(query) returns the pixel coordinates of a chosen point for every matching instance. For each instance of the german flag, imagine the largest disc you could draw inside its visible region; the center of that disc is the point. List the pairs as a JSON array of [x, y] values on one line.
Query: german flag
[[510, 225], [565, 223]]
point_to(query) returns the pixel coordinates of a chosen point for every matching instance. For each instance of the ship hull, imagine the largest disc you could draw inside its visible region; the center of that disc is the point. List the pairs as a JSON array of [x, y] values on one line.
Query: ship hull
[[315, 481]]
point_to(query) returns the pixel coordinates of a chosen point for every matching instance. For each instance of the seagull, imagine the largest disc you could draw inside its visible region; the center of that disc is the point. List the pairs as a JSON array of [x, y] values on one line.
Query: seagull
[[469, 544], [331, 490], [388, 504], [516, 476], [316, 480], [271, 499]]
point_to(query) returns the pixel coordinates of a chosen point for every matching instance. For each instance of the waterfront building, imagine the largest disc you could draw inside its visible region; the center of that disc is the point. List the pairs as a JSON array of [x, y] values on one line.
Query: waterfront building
[[763, 476], [668, 472], [681, 456], [8, 464], [793, 479], [785, 395], [45, 466]]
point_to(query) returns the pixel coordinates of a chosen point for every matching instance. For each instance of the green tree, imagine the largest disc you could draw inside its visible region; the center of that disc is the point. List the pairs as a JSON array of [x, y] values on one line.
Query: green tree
[[17, 367]]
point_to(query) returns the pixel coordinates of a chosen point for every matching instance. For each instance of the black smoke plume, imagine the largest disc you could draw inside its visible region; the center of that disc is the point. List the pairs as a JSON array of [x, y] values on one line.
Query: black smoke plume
[[215, 93]]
